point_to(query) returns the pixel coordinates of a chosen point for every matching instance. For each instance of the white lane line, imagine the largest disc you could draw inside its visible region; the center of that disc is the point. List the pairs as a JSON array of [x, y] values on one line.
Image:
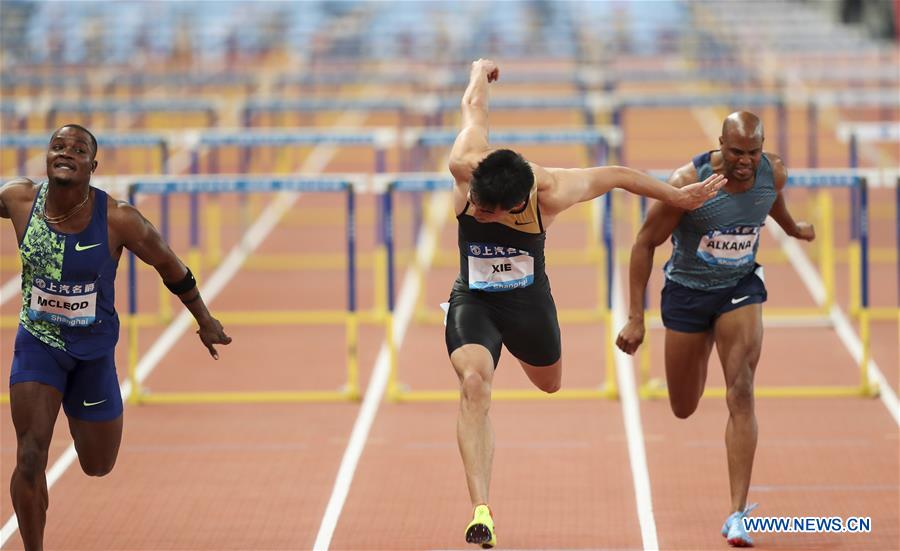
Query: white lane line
[[10, 288], [631, 415], [427, 243], [315, 162]]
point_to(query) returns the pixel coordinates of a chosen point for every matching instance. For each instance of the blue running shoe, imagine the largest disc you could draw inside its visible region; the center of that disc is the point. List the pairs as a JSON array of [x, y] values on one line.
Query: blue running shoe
[[733, 530]]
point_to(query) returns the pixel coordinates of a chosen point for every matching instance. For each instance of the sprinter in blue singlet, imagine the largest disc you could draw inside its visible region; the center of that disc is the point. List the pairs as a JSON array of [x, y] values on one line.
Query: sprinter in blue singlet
[[504, 205], [70, 237], [714, 288]]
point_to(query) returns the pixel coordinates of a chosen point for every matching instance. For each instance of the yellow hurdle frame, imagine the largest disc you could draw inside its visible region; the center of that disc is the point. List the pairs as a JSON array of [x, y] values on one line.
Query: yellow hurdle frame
[[351, 319]]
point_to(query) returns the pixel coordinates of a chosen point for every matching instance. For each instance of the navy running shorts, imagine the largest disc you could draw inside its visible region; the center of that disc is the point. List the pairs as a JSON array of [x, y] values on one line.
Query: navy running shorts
[[90, 388], [694, 311], [522, 319]]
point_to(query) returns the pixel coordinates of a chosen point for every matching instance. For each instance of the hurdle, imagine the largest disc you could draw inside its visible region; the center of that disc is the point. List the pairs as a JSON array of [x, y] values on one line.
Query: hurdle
[[36, 84], [312, 82], [22, 142], [306, 109], [816, 102], [137, 83], [439, 105], [854, 133], [134, 107], [618, 105], [208, 144], [350, 317], [254, 107], [800, 317]]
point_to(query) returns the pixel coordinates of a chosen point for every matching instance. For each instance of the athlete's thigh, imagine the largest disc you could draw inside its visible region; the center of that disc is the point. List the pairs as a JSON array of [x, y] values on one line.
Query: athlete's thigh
[[92, 392], [97, 442], [34, 407], [470, 322], [93, 404], [739, 336], [37, 379], [687, 357], [530, 329]]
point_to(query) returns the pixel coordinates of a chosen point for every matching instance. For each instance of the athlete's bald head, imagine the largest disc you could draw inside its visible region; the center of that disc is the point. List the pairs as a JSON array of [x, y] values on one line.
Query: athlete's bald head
[[744, 123], [741, 145]]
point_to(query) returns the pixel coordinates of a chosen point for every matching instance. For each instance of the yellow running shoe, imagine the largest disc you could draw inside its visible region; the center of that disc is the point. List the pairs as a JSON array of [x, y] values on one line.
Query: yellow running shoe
[[481, 530]]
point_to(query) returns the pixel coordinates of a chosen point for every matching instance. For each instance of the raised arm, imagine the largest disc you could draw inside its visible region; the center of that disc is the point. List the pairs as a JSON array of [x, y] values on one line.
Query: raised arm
[[662, 219], [471, 144], [573, 185], [779, 211], [138, 235]]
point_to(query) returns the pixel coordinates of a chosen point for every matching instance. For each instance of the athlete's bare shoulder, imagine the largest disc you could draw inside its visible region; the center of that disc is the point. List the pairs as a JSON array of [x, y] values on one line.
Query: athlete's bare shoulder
[[122, 215], [19, 186], [779, 171], [17, 195], [683, 175], [542, 177]]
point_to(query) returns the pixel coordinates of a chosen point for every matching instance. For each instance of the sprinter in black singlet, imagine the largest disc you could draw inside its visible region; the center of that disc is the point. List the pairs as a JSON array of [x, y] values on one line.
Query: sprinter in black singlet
[[504, 205]]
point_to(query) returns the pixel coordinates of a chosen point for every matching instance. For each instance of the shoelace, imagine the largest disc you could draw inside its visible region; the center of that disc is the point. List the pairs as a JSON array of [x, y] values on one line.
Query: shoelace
[[748, 509]]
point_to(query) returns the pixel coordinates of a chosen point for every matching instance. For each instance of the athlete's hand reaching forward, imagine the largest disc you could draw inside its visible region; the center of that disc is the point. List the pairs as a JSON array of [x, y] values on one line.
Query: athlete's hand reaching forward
[[694, 195], [212, 333]]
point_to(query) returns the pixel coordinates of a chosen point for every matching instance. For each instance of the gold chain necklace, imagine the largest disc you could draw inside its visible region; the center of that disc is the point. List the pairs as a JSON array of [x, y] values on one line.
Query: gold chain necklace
[[63, 217]]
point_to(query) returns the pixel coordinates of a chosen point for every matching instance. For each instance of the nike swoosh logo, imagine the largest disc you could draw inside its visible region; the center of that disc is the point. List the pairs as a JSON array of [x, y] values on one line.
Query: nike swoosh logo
[[523, 223], [87, 404], [79, 248], [738, 300]]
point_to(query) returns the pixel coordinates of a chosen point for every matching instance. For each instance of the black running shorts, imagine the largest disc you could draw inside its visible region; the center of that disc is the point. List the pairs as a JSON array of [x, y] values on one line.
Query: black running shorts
[[522, 319]]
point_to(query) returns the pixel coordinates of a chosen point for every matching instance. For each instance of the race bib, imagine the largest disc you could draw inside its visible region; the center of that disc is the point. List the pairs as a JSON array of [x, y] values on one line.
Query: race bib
[[498, 268], [70, 304], [729, 247]]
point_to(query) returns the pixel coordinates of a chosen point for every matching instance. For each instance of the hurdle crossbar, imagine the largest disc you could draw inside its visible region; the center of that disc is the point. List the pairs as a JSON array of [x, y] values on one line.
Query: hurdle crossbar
[[350, 317]]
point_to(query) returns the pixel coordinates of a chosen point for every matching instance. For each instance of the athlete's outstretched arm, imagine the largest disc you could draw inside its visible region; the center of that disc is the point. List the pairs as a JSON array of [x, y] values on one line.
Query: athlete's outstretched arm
[[574, 185], [138, 235], [472, 142], [779, 211], [662, 219]]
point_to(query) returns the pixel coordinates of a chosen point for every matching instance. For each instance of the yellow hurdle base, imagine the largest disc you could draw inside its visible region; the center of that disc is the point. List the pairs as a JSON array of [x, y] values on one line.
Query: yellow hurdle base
[[656, 389], [419, 396], [881, 313], [432, 316], [264, 397]]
